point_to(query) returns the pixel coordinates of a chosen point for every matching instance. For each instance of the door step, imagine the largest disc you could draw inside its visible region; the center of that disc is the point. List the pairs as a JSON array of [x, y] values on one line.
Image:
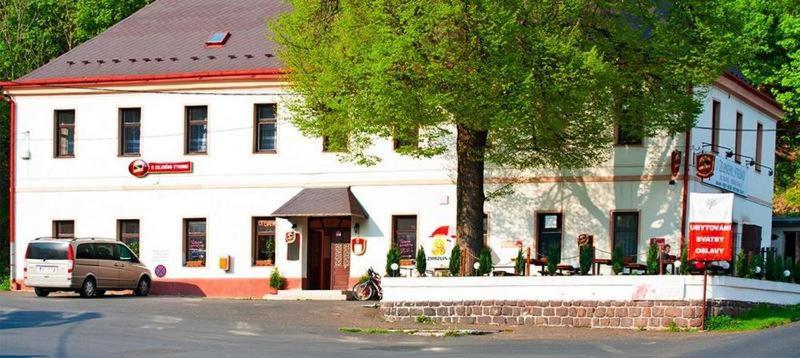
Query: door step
[[308, 295]]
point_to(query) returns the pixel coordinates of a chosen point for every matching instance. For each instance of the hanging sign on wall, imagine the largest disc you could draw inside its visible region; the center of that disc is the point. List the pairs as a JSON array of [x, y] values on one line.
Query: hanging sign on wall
[[140, 168], [358, 245]]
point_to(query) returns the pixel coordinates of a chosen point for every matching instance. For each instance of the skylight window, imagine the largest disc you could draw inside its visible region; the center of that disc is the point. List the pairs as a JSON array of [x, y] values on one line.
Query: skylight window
[[218, 39]]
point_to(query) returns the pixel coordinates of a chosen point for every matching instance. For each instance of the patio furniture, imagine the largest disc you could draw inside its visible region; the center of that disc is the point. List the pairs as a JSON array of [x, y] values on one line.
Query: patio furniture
[[669, 261], [569, 269], [541, 263], [596, 265], [629, 262]]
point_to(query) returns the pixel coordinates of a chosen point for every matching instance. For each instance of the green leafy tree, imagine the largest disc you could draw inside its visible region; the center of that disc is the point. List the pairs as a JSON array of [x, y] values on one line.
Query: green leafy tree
[[392, 257], [455, 261], [485, 261], [503, 84], [553, 258], [616, 260], [586, 258], [652, 259], [422, 261], [519, 263]]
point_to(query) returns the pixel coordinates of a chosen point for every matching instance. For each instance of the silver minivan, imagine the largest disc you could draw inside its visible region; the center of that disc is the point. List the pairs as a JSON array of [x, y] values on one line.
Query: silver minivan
[[86, 266]]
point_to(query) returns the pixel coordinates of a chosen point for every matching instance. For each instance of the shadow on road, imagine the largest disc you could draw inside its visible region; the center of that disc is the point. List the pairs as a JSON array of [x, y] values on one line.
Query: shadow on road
[[31, 319]]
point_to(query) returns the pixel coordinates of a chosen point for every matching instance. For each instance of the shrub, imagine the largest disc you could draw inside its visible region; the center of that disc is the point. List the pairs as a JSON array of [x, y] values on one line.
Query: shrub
[[652, 259], [758, 261], [769, 267], [275, 279], [787, 266], [5, 283], [519, 265], [553, 258], [741, 264], [616, 260], [364, 278], [422, 261], [684, 269], [455, 261], [586, 258], [797, 272], [392, 257], [485, 260]]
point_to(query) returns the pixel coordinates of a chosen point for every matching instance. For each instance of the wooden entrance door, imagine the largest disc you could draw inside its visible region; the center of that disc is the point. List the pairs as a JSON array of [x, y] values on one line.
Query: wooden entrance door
[[328, 264]]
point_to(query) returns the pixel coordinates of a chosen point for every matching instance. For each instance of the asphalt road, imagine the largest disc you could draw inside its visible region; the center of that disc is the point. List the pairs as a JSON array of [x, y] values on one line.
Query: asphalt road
[[125, 326]]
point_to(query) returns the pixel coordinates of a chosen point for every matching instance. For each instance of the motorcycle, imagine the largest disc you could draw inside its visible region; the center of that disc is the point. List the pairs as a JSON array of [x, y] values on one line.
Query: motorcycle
[[370, 288]]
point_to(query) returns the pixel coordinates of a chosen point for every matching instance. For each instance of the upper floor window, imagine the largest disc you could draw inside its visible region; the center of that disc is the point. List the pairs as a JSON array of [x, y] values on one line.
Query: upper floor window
[[266, 130], [406, 139], [129, 131], [715, 113], [629, 134], [196, 130], [64, 134], [334, 143], [759, 143], [63, 229], [737, 150]]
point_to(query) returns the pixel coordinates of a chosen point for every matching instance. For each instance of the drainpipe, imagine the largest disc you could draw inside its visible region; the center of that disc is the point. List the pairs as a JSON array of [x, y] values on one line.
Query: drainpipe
[[685, 198], [12, 156]]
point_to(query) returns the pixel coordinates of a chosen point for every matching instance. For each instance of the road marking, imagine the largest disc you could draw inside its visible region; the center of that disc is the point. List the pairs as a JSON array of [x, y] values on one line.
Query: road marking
[[166, 319], [244, 326], [243, 333], [436, 349]]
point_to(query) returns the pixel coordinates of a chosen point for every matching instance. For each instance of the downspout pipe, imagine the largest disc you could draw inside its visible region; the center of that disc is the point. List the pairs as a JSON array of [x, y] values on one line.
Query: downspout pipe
[[12, 155], [685, 199]]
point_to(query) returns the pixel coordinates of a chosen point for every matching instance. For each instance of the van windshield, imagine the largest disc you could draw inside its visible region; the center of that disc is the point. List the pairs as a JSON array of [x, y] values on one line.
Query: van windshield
[[47, 251]]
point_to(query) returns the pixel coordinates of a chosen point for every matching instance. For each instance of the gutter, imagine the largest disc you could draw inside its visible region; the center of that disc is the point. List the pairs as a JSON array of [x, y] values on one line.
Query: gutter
[[263, 73], [685, 198], [12, 155]]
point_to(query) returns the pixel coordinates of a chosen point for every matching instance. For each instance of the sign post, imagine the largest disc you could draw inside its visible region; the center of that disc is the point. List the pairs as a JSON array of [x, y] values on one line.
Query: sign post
[[710, 232]]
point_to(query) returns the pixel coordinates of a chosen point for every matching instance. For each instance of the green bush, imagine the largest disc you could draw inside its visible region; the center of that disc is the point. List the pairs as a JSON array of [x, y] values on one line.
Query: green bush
[[392, 257], [275, 279], [455, 261], [684, 269], [758, 261], [422, 261], [364, 278], [485, 260], [553, 258], [519, 265], [616, 260], [652, 259], [797, 272], [586, 258], [770, 272], [741, 265], [788, 265], [5, 283]]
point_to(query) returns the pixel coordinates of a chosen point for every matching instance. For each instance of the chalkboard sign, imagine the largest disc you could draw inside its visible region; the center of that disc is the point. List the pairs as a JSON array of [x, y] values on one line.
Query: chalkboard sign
[[407, 245], [197, 248]]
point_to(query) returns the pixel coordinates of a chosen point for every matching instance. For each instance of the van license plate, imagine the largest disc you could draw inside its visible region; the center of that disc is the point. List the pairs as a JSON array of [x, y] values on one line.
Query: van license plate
[[46, 269]]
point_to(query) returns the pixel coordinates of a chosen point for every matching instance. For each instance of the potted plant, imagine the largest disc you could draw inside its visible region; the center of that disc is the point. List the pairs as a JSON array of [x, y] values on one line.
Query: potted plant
[[519, 264], [275, 281], [392, 257], [455, 261], [652, 259], [586, 258], [616, 260], [553, 258], [485, 262], [422, 263]]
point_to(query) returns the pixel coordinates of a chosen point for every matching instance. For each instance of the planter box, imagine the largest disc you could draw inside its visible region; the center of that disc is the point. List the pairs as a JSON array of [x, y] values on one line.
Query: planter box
[[195, 264], [264, 263]]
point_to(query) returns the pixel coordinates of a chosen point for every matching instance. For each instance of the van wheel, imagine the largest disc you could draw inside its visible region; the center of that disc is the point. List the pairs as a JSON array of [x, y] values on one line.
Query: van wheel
[[88, 290], [143, 288], [41, 292]]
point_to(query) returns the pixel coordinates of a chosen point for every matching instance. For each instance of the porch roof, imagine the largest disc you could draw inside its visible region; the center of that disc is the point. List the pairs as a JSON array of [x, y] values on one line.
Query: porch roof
[[322, 202]]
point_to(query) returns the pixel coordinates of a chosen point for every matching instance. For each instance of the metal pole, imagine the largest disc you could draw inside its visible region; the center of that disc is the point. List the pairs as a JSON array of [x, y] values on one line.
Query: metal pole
[[528, 262], [705, 284]]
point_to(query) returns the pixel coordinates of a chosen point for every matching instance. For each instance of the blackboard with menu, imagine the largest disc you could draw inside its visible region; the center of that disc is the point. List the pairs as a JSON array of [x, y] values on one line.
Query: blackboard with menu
[[407, 245]]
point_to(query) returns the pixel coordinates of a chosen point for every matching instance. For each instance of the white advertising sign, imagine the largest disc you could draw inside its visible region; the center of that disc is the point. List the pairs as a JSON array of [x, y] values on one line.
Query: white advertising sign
[[437, 250], [729, 176], [710, 208]]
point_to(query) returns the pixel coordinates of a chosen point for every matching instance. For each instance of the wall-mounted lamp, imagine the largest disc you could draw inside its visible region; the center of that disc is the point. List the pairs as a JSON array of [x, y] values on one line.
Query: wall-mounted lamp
[[356, 228]]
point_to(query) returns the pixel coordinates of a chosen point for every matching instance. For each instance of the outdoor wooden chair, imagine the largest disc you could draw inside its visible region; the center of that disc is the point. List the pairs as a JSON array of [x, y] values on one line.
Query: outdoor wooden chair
[[629, 262]]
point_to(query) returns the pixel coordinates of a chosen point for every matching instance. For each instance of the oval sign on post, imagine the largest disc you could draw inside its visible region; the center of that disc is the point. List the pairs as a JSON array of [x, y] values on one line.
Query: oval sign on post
[[160, 271]]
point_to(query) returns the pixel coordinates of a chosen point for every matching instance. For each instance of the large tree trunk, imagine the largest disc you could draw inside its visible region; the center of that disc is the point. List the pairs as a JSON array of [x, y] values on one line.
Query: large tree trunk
[[470, 148]]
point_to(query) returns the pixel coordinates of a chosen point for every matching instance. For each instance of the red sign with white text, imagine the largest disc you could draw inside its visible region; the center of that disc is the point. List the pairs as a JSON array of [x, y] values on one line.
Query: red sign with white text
[[140, 168], [710, 242]]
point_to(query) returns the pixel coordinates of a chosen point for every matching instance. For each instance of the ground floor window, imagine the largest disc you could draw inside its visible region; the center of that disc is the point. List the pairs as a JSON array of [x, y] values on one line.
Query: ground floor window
[[549, 229], [128, 233], [625, 231], [194, 242], [404, 235], [263, 241], [63, 229]]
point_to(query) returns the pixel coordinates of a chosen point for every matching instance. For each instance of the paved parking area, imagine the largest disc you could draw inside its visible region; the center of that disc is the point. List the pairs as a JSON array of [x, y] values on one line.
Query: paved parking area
[[66, 325]]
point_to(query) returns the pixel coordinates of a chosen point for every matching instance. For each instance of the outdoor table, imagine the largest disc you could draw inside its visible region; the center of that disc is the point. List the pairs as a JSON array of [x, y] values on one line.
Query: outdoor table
[[502, 266], [541, 263], [597, 263], [409, 268], [668, 262], [635, 266], [569, 268]]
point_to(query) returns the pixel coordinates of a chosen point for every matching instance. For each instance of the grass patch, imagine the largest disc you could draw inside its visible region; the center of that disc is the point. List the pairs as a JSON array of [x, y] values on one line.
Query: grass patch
[[366, 330], [5, 283], [423, 319], [759, 317]]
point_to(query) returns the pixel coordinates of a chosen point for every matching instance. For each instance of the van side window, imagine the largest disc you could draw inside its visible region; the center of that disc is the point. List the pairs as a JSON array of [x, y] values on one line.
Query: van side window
[[104, 251], [84, 252], [124, 253]]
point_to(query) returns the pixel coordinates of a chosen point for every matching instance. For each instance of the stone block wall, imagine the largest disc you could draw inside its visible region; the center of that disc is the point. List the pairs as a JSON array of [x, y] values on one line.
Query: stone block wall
[[651, 315]]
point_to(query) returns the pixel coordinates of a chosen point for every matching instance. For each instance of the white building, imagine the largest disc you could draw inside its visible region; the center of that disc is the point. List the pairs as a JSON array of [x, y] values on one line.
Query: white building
[[163, 94]]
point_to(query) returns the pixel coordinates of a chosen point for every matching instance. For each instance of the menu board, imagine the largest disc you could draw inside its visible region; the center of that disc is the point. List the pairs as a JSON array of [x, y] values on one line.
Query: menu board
[[407, 245], [197, 248]]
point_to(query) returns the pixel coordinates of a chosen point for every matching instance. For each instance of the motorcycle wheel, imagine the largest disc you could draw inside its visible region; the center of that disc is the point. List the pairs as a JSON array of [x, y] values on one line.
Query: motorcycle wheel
[[362, 291]]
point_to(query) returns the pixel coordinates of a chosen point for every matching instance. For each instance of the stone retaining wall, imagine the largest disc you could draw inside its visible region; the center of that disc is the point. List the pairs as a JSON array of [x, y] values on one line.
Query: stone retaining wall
[[649, 314]]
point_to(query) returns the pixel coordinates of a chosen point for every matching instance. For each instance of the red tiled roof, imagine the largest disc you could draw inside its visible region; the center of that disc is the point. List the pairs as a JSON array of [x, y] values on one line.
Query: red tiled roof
[[168, 37]]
